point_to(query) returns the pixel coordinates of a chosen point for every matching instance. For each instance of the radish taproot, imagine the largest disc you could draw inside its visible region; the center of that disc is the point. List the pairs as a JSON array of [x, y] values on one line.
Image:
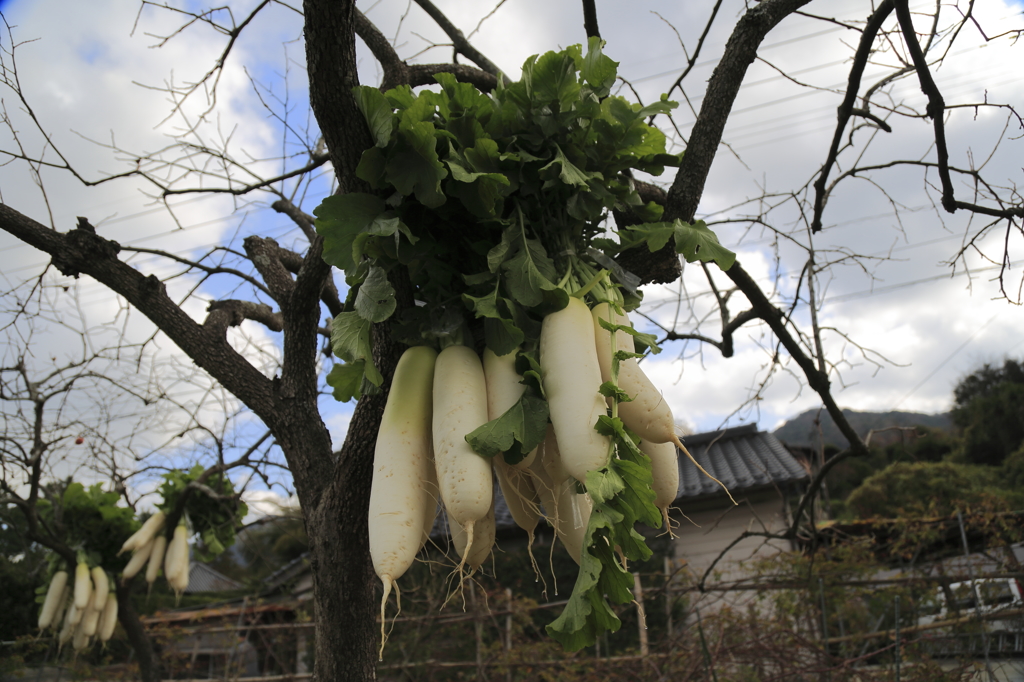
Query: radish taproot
[[54, 593], [520, 495], [566, 511], [176, 568], [403, 497], [108, 621], [647, 414], [91, 619], [460, 406], [571, 376], [400, 497], [483, 540], [83, 586], [135, 564], [156, 559], [101, 585], [551, 458], [665, 474]]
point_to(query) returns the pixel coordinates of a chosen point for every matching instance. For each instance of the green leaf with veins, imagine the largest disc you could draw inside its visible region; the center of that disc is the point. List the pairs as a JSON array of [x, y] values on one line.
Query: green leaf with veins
[[375, 300], [599, 71], [529, 273], [480, 193], [568, 173], [622, 496], [497, 255], [552, 78], [377, 112], [501, 333], [340, 219], [350, 340], [654, 235], [698, 242], [525, 424], [610, 390], [414, 167], [346, 378]]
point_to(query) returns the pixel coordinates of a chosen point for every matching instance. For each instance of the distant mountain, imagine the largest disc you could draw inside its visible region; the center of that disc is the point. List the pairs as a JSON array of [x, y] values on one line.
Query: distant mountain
[[804, 430]]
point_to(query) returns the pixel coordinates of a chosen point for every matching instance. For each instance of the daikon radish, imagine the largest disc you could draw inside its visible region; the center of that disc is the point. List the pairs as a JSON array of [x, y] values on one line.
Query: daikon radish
[[108, 621], [101, 585], [91, 619], [179, 583], [176, 568], [520, 496], [54, 593], [156, 559], [80, 640], [460, 406], [83, 586], [665, 472], [551, 459], [400, 496], [572, 378], [67, 631], [143, 536], [62, 606], [503, 391], [648, 414], [136, 563], [74, 614], [403, 490]]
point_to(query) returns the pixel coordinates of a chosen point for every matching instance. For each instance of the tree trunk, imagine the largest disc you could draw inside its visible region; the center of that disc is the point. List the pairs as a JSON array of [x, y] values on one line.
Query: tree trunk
[[149, 663]]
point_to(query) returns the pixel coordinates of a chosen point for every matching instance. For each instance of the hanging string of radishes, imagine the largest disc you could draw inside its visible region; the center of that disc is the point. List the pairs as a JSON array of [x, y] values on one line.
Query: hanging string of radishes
[[496, 206], [79, 602]]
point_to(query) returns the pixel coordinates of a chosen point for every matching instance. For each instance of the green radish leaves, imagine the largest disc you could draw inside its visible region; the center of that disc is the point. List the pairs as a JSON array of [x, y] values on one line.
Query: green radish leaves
[[518, 431], [622, 497], [694, 241]]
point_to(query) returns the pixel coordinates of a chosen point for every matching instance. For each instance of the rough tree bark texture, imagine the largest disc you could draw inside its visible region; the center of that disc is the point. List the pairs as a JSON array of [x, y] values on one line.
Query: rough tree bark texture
[[142, 645]]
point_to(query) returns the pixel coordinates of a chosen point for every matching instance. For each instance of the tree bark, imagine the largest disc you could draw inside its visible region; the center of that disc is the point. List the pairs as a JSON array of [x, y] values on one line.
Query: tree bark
[[149, 663], [343, 577]]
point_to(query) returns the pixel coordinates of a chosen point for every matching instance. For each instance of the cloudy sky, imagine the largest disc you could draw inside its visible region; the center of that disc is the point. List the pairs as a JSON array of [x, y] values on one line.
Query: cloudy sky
[[900, 324]]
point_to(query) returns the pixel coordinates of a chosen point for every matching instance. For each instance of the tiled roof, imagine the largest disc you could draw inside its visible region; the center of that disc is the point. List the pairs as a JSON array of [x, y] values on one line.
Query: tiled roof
[[741, 458]]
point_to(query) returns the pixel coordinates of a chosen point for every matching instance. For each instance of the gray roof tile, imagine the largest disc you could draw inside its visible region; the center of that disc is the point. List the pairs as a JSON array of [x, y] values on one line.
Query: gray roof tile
[[741, 458]]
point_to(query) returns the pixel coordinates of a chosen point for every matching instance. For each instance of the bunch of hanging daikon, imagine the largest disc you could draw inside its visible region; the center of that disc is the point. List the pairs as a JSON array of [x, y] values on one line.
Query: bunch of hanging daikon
[[491, 211], [611, 433], [85, 609], [150, 548]]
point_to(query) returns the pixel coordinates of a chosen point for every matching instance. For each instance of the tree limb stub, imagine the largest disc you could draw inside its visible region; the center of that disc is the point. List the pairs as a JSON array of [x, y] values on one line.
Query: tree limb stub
[[231, 313]]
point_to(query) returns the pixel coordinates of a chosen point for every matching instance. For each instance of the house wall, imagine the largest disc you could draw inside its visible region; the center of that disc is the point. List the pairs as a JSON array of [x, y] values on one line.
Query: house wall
[[713, 524]]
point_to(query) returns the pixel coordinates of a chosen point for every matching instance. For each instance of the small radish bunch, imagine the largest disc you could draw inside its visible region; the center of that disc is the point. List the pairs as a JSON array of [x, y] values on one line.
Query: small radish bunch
[[82, 610]]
